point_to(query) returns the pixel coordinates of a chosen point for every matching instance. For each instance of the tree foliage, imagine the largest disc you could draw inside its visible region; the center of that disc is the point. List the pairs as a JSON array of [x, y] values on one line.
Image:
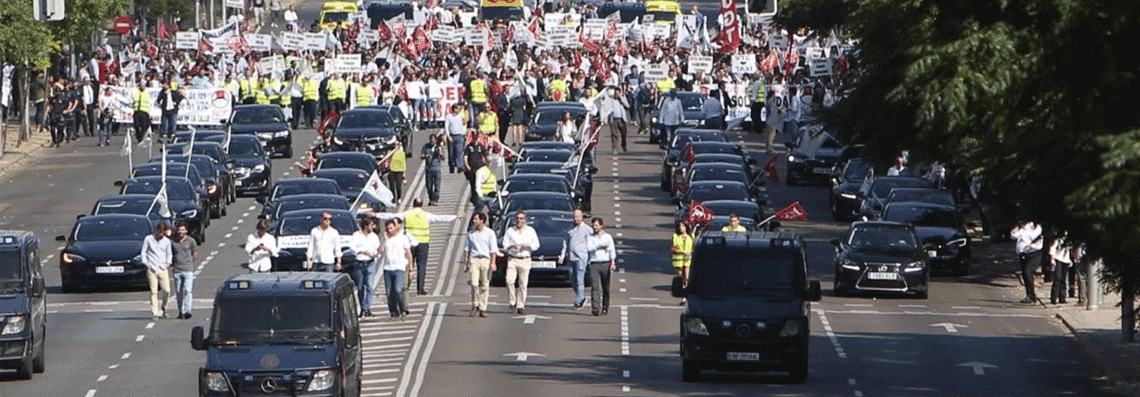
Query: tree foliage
[[1037, 95], [23, 40], [153, 10], [86, 17]]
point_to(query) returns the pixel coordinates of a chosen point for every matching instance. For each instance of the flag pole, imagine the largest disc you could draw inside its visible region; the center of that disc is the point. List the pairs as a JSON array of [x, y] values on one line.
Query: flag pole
[[189, 151]]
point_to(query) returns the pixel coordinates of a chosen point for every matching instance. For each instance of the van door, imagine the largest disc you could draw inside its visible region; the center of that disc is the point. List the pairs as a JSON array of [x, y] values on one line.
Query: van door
[[351, 353], [37, 303]]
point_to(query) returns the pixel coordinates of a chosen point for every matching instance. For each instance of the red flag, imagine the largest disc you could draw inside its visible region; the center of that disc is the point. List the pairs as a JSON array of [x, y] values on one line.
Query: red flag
[[793, 212], [612, 31], [595, 134], [383, 32], [204, 45], [534, 29], [399, 29], [432, 22], [509, 33], [771, 61], [841, 69], [791, 58], [402, 92], [699, 214], [386, 163], [162, 31], [679, 185], [689, 157], [421, 39], [770, 169], [431, 4], [729, 27], [329, 121], [622, 48]]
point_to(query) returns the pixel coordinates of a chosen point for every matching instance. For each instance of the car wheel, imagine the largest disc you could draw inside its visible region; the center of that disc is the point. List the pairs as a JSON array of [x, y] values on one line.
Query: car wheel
[[289, 152], [224, 211], [690, 371], [24, 369], [68, 288], [836, 289], [798, 373], [38, 362], [923, 294]]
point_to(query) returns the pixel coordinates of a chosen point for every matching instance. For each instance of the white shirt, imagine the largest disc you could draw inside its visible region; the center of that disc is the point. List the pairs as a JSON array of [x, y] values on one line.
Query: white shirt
[[259, 260], [1060, 252], [601, 247], [396, 250], [1028, 238], [519, 243], [415, 89], [366, 246], [324, 245], [482, 243]]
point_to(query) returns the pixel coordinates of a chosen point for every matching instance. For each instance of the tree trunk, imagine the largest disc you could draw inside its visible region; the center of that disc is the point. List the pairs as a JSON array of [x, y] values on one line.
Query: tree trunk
[[1127, 304]]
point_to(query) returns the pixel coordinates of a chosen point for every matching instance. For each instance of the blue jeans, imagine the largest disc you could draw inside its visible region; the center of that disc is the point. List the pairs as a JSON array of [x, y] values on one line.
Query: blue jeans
[[184, 291], [578, 271], [455, 153], [394, 281], [169, 123], [366, 283]]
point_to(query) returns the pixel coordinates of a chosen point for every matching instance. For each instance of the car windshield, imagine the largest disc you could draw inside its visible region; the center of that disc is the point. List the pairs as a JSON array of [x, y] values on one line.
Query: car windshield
[[708, 149], [300, 226], [690, 102], [176, 189], [663, 15], [533, 185], [253, 320], [552, 225], [336, 16], [882, 238], [357, 162], [856, 171], [117, 229], [739, 271], [367, 119], [718, 192], [245, 148], [883, 187], [925, 196], [346, 181], [10, 269], [557, 156], [547, 117], [922, 216], [138, 207], [530, 203], [745, 212], [290, 189], [258, 116], [293, 205], [718, 174]]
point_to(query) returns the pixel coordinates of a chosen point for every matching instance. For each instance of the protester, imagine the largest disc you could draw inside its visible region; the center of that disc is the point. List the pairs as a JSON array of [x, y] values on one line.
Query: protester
[[518, 243], [482, 250], [323, 251], [1028, 244], [185, 252], [157, 256], [576, 251], [397, 250], [682, 250], [433, 155], [603, 261], [396, 169], [366, 246], [261, 247]]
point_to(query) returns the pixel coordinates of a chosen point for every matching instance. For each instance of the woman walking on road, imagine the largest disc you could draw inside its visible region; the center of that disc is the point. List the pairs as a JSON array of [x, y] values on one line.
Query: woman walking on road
[[682, 249]]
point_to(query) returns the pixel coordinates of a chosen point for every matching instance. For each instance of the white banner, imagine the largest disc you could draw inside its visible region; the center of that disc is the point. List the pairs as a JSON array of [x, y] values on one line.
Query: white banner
[[272, 65], [700, 63], [200, 106], [475, 37], [235, 3], [656, 72], [739, 95], [595, 29], [445, 34], [258, 42], [346, 63], [186, 40], [313, 42]]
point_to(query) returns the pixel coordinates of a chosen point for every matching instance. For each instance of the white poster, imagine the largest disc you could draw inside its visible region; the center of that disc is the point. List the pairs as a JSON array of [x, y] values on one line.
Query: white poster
[[346, 63], [476, 37], [743, 63], [700, 63], [444, 34], [235, 3], [258, 42], [201, 106], [314, 42], [595, 29], [186, 40], [739, 95], [656, 72], [272, 65], [292, 41]]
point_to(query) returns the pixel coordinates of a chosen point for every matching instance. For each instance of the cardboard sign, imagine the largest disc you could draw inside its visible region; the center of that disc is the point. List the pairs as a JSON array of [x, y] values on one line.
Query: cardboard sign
[[313, 42], [812, 53], [258, 42], [819, 67], [272, 65], [778, 41], [346, 63], [476, 37], [656, 72], [743, 63], [595, 29], [292, 41], [738, 94], [654, 31], [235, 3], [445, 34], [186, 40], [700, 63], [367, 35]]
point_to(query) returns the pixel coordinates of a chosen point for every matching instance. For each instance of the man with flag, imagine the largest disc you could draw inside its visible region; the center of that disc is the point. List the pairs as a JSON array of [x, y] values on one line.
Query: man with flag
[[417, 223]]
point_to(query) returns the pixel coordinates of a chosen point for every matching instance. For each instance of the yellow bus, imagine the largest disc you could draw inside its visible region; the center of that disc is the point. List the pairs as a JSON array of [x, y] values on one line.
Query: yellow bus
[[663, 11], [335, 13]]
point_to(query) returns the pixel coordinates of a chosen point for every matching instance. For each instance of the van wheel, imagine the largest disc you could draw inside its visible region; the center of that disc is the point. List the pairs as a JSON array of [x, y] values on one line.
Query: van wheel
[[38, 360], [690, 372], [24, 369], [923, 295], [798, 373]]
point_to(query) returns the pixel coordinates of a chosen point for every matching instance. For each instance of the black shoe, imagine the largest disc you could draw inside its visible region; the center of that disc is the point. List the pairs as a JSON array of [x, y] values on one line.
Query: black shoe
[[1052, 301], [421, 292], [1029, 300], [522, 311], [483, 313], [605, 311], [595, 313], [577, 307], [188, 315]]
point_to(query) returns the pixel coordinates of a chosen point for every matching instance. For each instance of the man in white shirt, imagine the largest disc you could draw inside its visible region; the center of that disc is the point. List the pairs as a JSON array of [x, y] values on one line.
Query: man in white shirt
[[158, 256], [261, 247], [482, 249], [603, 260], [366, 245], [518, 242], [397, 250], [1029, 244], [1060, 256], [324, 248]]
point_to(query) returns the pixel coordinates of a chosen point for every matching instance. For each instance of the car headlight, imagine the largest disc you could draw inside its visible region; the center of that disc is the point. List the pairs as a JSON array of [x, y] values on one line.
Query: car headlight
[[793, 327], [792, 159], [190, 213], [337, 141], [259, 168], [14, 325], [958, 242], [654, 119], [212, 189], [322, 380], [914, 266], [849, 265], [216, 381], [695, 326], [71, 258], [849, 196], [281, 134]]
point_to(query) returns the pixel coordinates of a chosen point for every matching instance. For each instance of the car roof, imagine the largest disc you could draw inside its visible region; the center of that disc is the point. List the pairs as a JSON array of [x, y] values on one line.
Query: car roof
[[339, 171], [113, 218], [311, 196], [920, 204], [304, 181], [311, 212], [125, 197], [548, 213], [731, 203], [347, 154], [750, 238], [717, 184], [517, 195], [256, 107], [719, 165], [884, 224], [283, 282]]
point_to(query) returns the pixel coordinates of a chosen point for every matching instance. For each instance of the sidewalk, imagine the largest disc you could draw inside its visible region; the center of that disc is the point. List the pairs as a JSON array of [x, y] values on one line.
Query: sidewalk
[[15, 156], [1098, 333]]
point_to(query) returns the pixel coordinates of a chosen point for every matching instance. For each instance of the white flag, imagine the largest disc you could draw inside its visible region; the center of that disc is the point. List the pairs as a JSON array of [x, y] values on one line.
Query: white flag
[[163, 202], [376, 191], [126, 150]]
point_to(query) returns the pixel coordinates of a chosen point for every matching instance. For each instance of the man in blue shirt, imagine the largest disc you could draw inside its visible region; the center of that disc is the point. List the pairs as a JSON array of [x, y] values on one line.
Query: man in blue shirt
[[603, 261], [158, 256], [671, 116]]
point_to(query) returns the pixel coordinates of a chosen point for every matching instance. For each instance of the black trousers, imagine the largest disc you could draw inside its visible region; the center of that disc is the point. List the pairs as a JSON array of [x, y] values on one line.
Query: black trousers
[[757, 114], [142, 125], [1029, 264], [432, 180], [58, 130], [420, 254], [599, 286], [295, 105], [310, 112], [396, 184], [1060, 279]]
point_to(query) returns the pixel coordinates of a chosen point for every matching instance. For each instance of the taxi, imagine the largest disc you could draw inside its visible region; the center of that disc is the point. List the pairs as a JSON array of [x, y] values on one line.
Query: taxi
[[335, 14]]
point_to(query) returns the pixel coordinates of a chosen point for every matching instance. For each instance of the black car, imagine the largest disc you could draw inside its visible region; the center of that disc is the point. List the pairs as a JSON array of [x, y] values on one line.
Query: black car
[[941, 229], [350, 181], [354, 160], [292, 234], [544, 125], [221, 158], [873, 196], [551, 227], [216, 185], [404, 124], [812, 157], [692, 104], [698, 172], [104, 250], [922, 195], [201, 186], [294, 186], [267, 123], [253, 172], [678, 150], [536, 183], [137, 204], [845, 184], [184, 202], [559, 145], [366, 130], [527, 201], [554, 155], [748, 299], [580, 178], [882, 257], [306, 202], [712, 152], [199, 135], [284, 334], [23, 309]]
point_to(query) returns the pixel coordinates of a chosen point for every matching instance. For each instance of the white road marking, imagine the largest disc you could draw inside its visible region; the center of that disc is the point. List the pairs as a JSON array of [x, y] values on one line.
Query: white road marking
[[642, 299], [427, 351], [857, 304], [622, 290], [150, 325], [228, 235], [139, 338], [90, 393], [113, 366], [625, 373], [625, 330], [831, 334], [125, 356], [966, 307]]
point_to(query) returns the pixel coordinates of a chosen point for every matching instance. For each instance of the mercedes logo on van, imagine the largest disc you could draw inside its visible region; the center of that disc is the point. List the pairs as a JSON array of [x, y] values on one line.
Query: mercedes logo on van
[[883, 268], [743, 330], [269, 385]]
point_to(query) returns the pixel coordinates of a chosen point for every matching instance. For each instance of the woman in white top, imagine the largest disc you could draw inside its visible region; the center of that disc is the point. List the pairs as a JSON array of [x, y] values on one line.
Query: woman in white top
[[366, 245], [566, 128], [261, 247]]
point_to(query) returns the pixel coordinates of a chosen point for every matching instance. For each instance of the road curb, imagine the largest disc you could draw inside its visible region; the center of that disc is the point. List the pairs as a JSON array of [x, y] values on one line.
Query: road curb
[[1118, 382]]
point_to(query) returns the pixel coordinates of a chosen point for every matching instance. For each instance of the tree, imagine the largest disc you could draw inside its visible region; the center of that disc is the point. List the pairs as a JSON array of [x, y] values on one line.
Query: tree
[[1037, 95], [23, 40], [85, 18], [152, 10]]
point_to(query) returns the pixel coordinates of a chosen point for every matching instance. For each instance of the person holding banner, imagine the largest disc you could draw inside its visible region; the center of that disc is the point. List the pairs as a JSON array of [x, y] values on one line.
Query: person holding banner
[[168, 100]]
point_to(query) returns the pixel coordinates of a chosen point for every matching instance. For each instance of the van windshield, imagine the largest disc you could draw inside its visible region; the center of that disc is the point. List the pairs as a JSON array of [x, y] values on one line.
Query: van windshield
[[255, 320], [10, 270], [735, 271]]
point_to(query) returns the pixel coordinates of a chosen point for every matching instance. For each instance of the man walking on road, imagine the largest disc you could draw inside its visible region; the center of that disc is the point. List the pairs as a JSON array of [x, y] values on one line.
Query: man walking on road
[[366, 245], [518, 242], [397, 249], [1029, 244], [433, 155], [482, 248], [672, 115], [261, 247], [455, 128], [324, 248], [417, 224], [185, 253], [603, 260], [575, 250], [157, 256], [141, 105]]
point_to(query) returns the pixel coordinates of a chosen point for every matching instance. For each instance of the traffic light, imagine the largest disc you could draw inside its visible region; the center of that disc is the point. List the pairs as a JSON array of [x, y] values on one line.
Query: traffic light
[[48, 10], [762, 7]]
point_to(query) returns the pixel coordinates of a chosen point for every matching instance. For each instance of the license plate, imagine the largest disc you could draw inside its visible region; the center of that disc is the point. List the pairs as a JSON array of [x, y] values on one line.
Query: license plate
[[543, 264], [109, 269], [821, 170], [740, 356], [932, 253], [237, 183], [882, 276]]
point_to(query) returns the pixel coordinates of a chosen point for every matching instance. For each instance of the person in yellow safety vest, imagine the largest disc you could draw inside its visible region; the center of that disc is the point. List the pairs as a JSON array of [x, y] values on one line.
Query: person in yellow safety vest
[[668, 83], [396, 168], [486, 181], [273, 90], [261, 96], [489, 124], [336, 88], [232, 87], [479, 93], [733, 224], [363, 93], [141, 106], [311, 93], [249, 88], [559, 91], [759, 94], [682, 249], [417, 223]]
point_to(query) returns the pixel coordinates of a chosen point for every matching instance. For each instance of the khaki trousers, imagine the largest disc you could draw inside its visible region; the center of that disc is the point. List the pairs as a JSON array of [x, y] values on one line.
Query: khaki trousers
[[518, 268], [159, 282], [480, 282]]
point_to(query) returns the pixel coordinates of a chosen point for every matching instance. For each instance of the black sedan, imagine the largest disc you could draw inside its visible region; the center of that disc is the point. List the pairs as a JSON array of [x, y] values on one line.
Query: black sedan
[[365, 130], [715, 190], [252, 170], [748, 211], [874, 195], [696, 115], [294, 186], [544, 125], [885, 257], [306, 202], [216, 186], [354, 160], [941, 230], [184, 202], [201, 186], [349, 181], [551, 227], [560, 145], [222, 162], [580, 179], [922, 195], [104, 250], [845, 185], [679, 147], [403, 124], [267, 123], [713, 172], [812, 157], [292, 234], [200, 135], [555, 155], [537, 183], [527, 201]]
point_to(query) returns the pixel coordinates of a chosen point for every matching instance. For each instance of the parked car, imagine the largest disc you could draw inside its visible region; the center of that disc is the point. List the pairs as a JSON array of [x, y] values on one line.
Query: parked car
[[104, 250], [881, 257], [252, 170], [812, 157], [292, 234], [941, 229], [846, 182]]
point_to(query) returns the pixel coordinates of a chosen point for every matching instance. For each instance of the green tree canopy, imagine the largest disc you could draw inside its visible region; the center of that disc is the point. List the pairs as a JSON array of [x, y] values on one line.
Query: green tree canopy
[[23, 39], [86, 17]]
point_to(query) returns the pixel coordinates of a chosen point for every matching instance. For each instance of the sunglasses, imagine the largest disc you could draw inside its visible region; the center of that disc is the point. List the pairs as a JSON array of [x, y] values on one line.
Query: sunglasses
[[326, 219]]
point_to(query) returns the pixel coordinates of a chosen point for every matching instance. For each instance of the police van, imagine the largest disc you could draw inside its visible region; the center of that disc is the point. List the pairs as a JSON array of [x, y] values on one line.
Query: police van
[[748, 300], [282, 334], [23, 308]]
